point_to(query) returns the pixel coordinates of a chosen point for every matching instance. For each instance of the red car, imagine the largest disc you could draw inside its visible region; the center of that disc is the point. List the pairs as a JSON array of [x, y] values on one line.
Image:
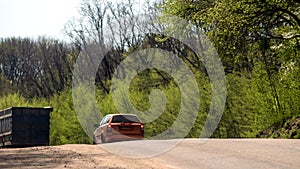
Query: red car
[[119, 127]]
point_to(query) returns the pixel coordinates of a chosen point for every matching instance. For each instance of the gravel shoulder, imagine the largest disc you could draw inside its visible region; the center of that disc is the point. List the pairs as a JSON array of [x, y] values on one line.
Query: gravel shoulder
[[70, 156]]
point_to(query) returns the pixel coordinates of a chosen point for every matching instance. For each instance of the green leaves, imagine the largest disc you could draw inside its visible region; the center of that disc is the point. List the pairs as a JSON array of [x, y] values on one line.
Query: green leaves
[[258, 43]]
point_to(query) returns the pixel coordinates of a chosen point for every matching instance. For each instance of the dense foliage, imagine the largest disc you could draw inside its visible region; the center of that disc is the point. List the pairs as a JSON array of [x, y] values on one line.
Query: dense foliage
[[257, 41]]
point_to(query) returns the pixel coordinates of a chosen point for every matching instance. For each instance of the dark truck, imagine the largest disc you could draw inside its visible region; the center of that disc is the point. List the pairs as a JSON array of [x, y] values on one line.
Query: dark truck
[[24, 126]]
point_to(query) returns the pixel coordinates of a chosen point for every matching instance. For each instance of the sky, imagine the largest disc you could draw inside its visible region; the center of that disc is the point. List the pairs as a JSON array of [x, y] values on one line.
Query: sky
[[34, 18]]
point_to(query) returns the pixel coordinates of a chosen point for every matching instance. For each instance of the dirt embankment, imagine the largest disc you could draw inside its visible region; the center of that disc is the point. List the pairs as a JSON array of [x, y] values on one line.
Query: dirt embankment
[[70, 156]]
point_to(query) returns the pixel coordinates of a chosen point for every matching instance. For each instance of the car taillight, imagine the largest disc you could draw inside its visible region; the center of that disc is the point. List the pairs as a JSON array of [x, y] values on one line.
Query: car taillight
[[142, 130]]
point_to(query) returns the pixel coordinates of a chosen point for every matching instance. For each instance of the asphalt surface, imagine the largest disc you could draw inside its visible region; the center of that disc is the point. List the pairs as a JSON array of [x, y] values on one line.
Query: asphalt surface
[[214, 153], [163, 154]]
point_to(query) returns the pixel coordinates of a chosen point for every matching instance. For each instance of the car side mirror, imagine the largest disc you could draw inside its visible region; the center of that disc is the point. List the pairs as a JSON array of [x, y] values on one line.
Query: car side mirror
[[96, 125]]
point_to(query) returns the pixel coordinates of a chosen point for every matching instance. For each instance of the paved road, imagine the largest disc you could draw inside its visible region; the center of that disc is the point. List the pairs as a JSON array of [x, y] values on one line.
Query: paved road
[[186, 154], [215, 153]]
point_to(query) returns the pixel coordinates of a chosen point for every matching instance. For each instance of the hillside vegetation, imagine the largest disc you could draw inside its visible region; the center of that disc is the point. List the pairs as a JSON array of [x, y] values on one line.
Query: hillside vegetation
[[257, 42]]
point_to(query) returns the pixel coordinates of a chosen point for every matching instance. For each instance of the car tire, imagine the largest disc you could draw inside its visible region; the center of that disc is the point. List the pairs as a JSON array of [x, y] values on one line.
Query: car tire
[[102, 139], [94, 140]]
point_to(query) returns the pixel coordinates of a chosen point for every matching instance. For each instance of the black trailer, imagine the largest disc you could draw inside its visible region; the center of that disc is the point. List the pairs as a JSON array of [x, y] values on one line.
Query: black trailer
[[24, 126]]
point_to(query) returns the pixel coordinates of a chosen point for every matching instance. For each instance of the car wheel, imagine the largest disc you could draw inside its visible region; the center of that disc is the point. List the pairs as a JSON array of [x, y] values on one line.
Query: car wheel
[[102, 139], [94, 139]]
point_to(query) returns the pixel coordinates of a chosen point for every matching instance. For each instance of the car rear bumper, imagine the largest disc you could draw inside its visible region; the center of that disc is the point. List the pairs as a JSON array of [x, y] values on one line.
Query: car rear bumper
[[121, 137]]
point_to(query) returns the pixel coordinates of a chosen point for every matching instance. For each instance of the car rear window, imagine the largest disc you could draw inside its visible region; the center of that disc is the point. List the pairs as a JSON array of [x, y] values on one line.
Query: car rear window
[[125, 119]]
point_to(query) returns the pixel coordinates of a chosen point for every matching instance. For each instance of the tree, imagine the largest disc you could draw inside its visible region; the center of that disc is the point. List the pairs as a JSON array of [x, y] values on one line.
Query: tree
[[114, 27], [38, 68], [260, 37], [5, 85]]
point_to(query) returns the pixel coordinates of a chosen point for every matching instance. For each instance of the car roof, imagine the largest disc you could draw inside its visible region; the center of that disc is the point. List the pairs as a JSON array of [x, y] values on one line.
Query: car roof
[[120, 114]]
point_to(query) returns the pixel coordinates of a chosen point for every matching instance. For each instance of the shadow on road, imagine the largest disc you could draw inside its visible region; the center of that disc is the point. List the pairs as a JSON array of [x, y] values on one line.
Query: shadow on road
[[34, 157]]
